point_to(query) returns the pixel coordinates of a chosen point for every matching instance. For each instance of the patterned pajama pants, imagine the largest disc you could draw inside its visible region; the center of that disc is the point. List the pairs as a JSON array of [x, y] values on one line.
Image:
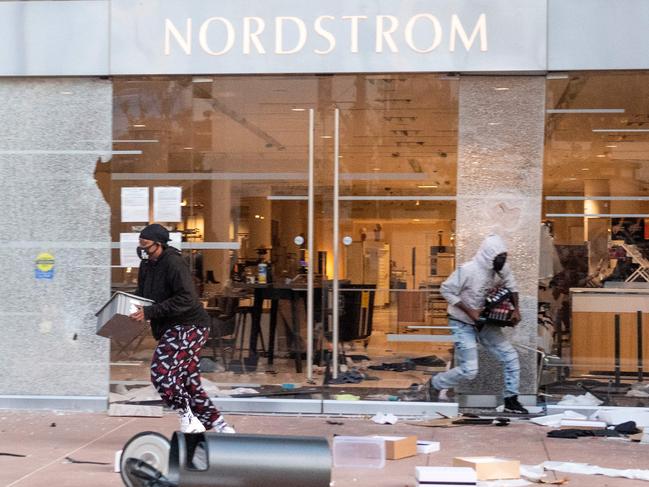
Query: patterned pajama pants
[[176, 376]]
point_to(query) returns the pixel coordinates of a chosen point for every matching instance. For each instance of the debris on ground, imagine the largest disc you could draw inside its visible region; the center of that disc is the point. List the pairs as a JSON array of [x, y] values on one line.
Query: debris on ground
[[491, 468], [347, 397], [639, 389], [135, 410], [584, 400], [88, 462], [384, 418], [587, 469]]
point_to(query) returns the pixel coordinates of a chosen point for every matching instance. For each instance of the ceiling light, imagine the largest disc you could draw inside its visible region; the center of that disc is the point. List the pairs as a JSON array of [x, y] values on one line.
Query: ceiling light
[[376, 169], [326, 137], [619, 130], [501, 88], [572, 179], [612, 146], [139, 125], [298, 109], [416, 220], [585, 110], [424, 186], [601, 155], [257, 216], [187, 148], [585, 169]]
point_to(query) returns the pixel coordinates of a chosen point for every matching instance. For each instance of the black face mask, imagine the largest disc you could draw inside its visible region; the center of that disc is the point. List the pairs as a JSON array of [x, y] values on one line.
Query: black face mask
[[145, 252], [499, 262]]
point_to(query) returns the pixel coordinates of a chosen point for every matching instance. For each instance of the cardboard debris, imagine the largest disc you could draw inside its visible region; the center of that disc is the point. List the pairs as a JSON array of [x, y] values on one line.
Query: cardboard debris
[[582, 424], [554, 420], [490, 468], [398, 447], [135, 410]]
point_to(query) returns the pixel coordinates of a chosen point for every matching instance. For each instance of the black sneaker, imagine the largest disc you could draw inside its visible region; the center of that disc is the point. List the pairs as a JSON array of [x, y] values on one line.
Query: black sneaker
[[513, 406]]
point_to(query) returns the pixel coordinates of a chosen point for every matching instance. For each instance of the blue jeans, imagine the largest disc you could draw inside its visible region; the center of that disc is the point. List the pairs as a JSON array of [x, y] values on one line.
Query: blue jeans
[[466, 339]]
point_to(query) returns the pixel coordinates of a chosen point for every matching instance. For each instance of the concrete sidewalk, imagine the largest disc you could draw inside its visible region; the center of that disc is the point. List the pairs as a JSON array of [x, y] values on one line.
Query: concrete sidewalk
[[48, 437]]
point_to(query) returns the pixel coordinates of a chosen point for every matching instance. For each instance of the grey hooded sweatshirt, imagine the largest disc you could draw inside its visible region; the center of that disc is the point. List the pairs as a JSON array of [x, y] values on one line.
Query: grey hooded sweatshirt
[[471, 282]]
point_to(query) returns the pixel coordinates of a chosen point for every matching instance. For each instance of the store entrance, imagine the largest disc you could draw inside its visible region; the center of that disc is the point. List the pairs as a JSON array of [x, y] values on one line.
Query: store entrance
[[316, 214]]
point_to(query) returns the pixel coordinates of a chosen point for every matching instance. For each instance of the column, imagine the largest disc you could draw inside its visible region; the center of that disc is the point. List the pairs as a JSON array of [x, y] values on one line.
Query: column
[[500, 176], [53, 133]]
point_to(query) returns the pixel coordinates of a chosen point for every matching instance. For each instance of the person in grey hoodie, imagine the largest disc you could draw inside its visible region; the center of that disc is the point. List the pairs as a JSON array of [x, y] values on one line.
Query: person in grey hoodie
[[466, 291]]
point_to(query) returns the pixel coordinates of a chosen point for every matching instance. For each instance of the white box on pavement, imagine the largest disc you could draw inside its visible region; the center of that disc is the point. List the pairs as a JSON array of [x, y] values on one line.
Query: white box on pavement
[[445, 476]]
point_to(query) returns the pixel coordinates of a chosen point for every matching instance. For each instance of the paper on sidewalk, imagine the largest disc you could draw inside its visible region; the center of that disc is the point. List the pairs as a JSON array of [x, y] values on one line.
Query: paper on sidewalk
[[383, 418], [587, 469]]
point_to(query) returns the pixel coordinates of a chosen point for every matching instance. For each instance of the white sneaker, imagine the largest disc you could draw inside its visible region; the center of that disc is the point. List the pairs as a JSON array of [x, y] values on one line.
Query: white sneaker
[[190, 423], [222, 427]]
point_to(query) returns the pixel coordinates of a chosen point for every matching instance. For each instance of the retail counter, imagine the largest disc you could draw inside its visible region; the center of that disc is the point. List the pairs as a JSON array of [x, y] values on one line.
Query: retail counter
[[593, 328]]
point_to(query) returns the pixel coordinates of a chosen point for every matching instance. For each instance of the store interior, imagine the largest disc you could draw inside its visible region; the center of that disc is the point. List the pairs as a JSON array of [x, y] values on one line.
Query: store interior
[[237, 147]]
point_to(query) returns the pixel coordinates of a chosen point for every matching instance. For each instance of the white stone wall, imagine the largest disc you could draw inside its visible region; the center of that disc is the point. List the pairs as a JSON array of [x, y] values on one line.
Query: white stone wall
[[49, 201], [500, 177]]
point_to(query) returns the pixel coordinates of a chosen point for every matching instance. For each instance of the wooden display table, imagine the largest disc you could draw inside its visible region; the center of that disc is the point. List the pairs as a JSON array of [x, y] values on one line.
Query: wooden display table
[[593, 328]]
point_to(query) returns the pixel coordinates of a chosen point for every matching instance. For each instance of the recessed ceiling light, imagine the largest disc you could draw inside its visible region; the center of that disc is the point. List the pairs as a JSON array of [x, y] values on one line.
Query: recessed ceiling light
[[572, 179], [619, 130], [501, 88], [376, 169], [326, 137], [139, 125], [585, 110], [601, 155], [416, 220], [298, 109], [187, 148], [612, 146], [585, 169]]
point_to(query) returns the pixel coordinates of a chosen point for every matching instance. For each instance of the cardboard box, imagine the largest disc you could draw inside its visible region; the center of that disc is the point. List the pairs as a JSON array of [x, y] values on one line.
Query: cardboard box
[[397, 447], [582, 424], [491, 468], [445, 476]]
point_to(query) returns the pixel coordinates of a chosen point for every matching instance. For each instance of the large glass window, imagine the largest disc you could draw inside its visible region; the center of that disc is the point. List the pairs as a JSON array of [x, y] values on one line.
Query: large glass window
[[595, 237], [223, 162]]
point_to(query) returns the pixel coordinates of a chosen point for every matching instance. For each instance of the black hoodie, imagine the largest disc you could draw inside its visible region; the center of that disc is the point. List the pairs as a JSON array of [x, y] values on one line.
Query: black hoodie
[[167, 281]]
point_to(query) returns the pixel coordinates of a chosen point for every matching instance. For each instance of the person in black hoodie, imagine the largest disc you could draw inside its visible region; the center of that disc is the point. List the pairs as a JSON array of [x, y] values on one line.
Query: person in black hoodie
[[181, 325]]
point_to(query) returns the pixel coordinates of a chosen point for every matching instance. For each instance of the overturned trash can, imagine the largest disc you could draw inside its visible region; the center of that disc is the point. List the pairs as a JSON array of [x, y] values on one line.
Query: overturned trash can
[[221, 460], [213, 459]]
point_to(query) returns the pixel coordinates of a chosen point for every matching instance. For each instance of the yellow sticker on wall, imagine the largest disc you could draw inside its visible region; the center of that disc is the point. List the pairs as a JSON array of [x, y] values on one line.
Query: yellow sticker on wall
[[44, 266]]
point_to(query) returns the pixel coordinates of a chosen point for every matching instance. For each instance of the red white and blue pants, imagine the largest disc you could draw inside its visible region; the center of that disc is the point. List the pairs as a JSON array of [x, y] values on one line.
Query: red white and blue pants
[[176, 375]]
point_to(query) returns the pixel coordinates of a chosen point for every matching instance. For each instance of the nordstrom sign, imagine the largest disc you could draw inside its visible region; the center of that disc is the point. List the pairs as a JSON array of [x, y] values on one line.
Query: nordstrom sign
[[326, 36], [217, 36]]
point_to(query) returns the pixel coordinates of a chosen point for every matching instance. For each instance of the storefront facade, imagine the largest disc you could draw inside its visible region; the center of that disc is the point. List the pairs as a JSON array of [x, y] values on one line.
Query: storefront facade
[[345, 144]]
